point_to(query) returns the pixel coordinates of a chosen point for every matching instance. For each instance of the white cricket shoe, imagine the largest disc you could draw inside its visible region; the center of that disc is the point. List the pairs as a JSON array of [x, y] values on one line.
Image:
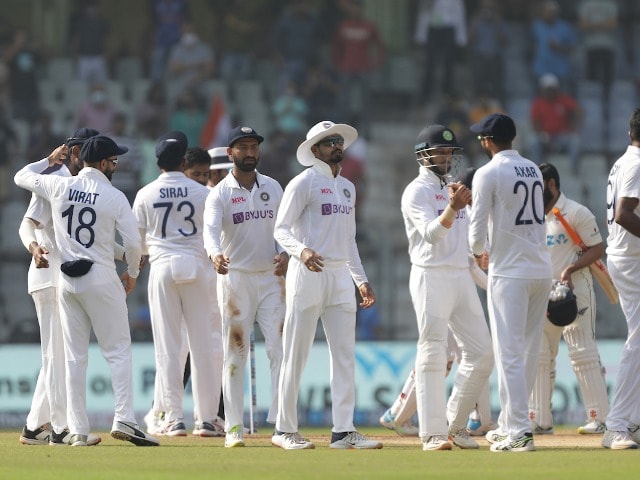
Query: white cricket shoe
[[291, 441], [495, 436], [234, 437], [174, 428], [214, 428], [618, 440], [437, 442], [130, 432], [153, 420], [520, 444], [462, 439], [406, 429], [39, 436], [634, 432], [355, 440], [540, 430], [594, 427], [66, 438], [481, 431]]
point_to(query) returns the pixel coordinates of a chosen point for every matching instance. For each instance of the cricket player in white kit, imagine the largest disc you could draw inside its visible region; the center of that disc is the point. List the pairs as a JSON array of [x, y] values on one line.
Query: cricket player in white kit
[[571, 265], [623, 262], [508, 207], [239, 219], [316, 225], [169, 213], [87, 212], [49, 404], [443, 294]]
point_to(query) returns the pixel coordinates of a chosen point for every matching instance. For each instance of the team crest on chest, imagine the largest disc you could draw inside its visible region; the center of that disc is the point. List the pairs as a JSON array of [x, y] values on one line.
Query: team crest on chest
[[347, 193], [264, 196]]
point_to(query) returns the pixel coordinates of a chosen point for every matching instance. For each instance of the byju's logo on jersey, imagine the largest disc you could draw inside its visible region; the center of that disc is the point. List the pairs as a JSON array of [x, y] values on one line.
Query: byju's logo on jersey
[[238, 218], [326, 209], [329, 208]]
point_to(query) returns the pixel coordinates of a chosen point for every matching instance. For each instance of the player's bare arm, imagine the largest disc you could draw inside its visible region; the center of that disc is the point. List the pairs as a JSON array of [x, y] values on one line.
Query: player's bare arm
[[221, 264], [625, 215], [312, 260], [368, 297], [589, 256], [59, 155], [128, 282], [281, 262], [459, 195]]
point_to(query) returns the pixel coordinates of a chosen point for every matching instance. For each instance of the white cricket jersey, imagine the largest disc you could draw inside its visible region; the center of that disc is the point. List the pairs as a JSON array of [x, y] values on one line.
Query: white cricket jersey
[[317, 212], [563, 251], [431, 244], [623, 182], [508, 206], [170, 211], [239, 223], [39, 210], [87, 211]]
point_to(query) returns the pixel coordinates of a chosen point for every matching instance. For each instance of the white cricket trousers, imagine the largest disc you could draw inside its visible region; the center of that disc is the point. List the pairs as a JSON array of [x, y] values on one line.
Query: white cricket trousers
[[625, 406], [171, 305], [96, 300], [446, 298], [247, 298], [49, 402], [330, 296], [517, 308]]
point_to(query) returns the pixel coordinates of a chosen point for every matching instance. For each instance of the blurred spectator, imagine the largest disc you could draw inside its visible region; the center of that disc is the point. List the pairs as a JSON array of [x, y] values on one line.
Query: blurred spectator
[[553, 43], [488, 35], [454, 113], [9, 144], [89, 32], [97, 111], [191, 62], [441, 29], [23, 60], [127, 179], [168, 17], [278, 157], [295, 41], [598, 20], [188, 117], [152, 115], [43, 139], [243, 32], [290, 112], [556, 118], [357, 50], [322, 92], [353, 168], [479, 108]]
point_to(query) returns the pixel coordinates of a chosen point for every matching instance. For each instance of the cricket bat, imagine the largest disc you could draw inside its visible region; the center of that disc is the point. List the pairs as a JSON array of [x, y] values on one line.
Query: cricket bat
[[598, 269]]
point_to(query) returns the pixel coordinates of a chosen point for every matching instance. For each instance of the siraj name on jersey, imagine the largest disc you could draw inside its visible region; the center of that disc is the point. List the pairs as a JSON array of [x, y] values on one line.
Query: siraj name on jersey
[[526, 172], [174, 192], [79, 196]]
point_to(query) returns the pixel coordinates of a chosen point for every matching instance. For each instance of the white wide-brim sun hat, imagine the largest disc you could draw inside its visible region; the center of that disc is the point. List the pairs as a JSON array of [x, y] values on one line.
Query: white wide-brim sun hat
[[219, 159], [319, 131]]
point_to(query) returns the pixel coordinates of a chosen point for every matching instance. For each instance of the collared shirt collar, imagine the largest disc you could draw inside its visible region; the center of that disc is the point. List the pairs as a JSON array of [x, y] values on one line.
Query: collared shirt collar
[[324, 168]]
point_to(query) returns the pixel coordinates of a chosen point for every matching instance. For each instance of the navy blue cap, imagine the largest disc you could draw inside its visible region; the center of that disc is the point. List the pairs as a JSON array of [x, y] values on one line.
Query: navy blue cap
[[172, 146], [243, 132], [496, 125], [100, 147], [434, 136], [80, 135]]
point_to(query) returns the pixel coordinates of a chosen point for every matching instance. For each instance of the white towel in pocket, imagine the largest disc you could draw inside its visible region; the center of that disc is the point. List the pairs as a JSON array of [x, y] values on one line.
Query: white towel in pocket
[[183, 269]]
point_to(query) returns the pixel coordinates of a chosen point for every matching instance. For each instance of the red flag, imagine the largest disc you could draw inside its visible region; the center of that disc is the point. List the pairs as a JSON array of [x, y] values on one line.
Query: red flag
[[215, 130]]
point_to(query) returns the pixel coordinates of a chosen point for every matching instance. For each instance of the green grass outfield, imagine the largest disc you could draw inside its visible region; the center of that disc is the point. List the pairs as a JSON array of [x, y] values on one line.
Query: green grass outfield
[[565, 455]]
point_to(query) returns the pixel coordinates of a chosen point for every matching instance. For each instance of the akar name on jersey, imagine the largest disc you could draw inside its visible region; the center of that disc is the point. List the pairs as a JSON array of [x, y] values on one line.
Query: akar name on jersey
[[527, 172], [173, 192], [79, 196]]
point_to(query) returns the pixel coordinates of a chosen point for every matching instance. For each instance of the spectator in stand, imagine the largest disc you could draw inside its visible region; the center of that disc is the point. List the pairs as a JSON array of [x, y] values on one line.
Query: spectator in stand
[[290, 113], [322, 91], [352, 47], [188, 117], [295, 41], [479, 108], [89, 32], [129, 165], [9, 145], [152, 115], [553, 43], [598, 20], [441, 29], [97, 110], [168, 17], [191, 62], [22, 59], [488, 35], [556, 117], [43, 139], [244, 27]]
